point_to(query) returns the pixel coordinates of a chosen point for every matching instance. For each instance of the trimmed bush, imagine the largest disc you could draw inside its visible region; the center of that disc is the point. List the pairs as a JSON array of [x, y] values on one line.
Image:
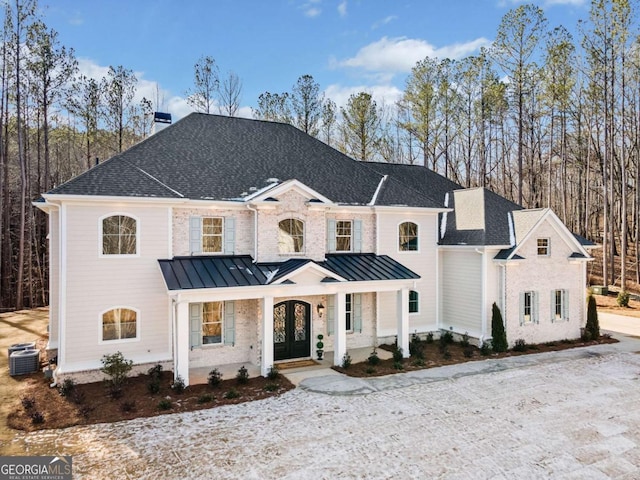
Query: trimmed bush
[[520, 345], [178, 385], [233, 393], [215, 377], [67, 387], [273, 373], [117, 368], [593, 325], [397, 355], [206, 398], [165, 404], [498, 334], [373, 358], [485, 349], [242, 377], [346, 361]]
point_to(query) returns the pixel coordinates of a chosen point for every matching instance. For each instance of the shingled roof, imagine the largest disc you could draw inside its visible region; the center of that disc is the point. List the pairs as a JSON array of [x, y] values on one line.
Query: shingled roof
[[214, 157]]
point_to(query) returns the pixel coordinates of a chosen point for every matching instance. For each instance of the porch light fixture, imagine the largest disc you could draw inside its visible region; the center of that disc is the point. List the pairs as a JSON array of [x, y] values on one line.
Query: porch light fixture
[[320, 309]]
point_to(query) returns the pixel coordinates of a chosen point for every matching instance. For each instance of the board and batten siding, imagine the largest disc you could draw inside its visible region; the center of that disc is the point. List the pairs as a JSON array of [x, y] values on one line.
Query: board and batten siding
[[462, 300], [424, 262], [98, 283]]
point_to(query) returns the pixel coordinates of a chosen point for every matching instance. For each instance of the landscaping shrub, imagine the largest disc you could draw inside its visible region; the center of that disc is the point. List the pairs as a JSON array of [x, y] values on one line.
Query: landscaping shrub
[[153, 386], [446, 337], [117, 368], [429, 337], [370, 370], [498, 334], [446, 354], [178, 385], [78, 397], [215, 377], [397, 354], [485, 349], [416, 347], [464, 341], [242, 377], [206, 398], [233, 393], [373, 358], [128, 406], [273, 373], [28, 402], [346, 361], [37, 418], [418, 362], [67, 387], [467, 351], [592, 326], [623, 299], [398, 365], [271, 387], [165, 404], [520, 345]]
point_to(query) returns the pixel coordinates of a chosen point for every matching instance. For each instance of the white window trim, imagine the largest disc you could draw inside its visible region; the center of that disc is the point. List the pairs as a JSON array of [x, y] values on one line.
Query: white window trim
[[304, 237], [548, 247], [531, 295], [348, 330], [417, 312], [211, 345], [202, 235], [350, 236], [410, 252], [100, 239], [563, 309], [121, 340]]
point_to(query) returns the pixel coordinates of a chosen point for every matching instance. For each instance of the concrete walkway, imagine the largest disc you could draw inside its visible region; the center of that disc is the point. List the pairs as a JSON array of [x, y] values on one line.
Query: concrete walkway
[[329, 382]]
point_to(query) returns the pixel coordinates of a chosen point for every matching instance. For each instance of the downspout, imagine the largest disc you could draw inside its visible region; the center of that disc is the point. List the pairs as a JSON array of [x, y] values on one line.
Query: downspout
[[255, 232], [483, 312]]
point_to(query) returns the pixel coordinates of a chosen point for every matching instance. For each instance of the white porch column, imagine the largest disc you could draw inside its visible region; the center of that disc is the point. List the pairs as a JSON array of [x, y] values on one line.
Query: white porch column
[[181, 333], [340, 329], [403, 321], [267, 335]]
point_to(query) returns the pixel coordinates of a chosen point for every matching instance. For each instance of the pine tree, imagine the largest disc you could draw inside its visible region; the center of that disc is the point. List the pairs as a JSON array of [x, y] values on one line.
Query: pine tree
[[499, 342]]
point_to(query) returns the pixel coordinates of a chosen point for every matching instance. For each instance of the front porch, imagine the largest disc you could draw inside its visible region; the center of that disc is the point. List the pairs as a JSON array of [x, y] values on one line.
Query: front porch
[[200, 375]]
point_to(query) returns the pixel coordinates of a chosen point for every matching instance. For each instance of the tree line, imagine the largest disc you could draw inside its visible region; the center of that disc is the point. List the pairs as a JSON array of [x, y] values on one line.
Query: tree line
[[540, 117]]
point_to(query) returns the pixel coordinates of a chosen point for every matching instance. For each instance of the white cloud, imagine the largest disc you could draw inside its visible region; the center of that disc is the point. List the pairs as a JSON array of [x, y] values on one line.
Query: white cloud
[[310, 8], [384, 21], [401, 54], [312, 12], [342, 8]]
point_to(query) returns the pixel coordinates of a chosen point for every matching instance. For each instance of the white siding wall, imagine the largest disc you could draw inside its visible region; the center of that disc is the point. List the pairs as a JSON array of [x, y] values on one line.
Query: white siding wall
[[542, 275], [423, 262], [54, 277], [462, 301], [96, 284]]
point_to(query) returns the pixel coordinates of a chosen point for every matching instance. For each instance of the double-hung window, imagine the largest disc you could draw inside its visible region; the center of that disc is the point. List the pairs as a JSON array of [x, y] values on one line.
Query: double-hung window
[[528, 307], [212, 234], [543, 247], [291, 236], [348, 312], [414, 304], [559, 305], [344, 231], [212, 315]]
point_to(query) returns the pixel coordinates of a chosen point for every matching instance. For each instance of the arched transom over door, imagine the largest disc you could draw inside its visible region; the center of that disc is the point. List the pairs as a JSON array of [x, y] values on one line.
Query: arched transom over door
[[291, 330]]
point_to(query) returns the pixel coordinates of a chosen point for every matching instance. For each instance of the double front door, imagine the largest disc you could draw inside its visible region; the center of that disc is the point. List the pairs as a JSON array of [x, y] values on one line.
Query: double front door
[[291, 330]]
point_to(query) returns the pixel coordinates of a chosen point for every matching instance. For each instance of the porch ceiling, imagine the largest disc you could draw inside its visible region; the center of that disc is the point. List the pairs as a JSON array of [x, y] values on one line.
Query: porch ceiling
[[187, 273]]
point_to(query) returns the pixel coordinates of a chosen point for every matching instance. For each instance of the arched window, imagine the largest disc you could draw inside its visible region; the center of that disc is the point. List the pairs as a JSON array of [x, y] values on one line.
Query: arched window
[[291, 236], [408, 237], [119, 235], [119, 324]]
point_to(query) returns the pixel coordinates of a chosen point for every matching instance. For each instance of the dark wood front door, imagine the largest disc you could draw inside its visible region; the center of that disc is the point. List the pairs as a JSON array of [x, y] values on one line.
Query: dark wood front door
[[291, 330]]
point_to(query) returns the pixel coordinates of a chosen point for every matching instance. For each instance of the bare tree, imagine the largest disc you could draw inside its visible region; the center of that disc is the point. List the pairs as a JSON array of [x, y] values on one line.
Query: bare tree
[[230, 95]]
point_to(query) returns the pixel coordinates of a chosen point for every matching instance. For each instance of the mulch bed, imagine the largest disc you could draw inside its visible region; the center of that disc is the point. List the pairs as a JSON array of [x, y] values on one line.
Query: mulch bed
[[91, 403], [433, 357]]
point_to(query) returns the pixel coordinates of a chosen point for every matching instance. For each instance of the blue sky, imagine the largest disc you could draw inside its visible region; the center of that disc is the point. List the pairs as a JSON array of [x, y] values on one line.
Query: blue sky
[[346, 45]]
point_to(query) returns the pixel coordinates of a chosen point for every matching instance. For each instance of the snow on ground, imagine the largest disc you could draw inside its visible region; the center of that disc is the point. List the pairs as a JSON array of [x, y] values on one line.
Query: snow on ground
[[575, 419]]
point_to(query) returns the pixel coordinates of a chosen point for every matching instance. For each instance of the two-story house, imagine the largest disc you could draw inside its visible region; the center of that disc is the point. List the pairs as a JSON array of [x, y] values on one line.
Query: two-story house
[[222, 240]]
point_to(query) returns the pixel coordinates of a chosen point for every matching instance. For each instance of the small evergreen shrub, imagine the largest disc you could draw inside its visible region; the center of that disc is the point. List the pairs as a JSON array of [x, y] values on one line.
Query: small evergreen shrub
[[271, 387], [498, 334], [346, 361], [233, 393], [153, 386], [178, 385], [398, 365], [418, 362], [206, 398], [397, 354], [273, 373], [446, 354], [370, 370], [520, 345], [85, 410], [242, 377], [67, 387], [28, 402], [446, 337], [373, 358], [464, 341], [467, 351], [117, 368], [155, 372], [485, 349], [429, 337], [215, 377], [37, 418], [78, 397], [623, 299], [165, 404]]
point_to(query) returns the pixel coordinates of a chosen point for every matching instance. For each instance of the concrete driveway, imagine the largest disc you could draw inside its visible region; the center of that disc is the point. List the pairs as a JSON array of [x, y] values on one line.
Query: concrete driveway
[[566, 415]]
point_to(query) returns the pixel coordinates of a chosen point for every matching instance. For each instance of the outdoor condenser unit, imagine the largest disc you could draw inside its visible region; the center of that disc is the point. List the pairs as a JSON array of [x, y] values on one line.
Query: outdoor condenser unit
[[24, 361]]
